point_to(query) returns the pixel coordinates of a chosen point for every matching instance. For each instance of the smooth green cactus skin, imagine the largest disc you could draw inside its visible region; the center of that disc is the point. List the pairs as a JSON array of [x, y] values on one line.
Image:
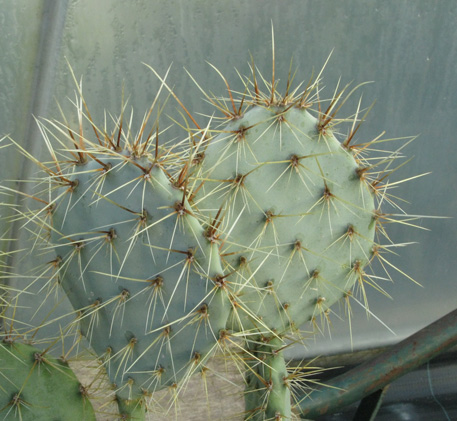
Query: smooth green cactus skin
[[298, 212], [37, 387], [267, 394], [137, 264]]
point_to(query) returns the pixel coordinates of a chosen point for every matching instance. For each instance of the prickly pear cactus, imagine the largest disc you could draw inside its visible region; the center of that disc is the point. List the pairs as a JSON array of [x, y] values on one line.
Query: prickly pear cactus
[[139, 269], [37, 387], [233, 243], [297, 211], [268, 394], [296, 208]]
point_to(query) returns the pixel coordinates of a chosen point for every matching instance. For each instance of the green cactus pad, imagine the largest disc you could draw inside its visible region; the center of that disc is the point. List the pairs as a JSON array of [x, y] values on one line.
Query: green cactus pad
[[144, 277], [297, 213], [137, 264], [37, 387]]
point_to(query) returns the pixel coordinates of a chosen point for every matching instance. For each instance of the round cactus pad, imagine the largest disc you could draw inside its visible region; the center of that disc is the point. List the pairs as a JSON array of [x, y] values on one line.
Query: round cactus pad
[[137, 265], [297, 212]]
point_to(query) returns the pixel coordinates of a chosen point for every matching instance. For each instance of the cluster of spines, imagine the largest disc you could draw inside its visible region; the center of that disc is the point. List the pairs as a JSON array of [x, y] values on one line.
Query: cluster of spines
[[62, 175], [373, 173], [82, 150]]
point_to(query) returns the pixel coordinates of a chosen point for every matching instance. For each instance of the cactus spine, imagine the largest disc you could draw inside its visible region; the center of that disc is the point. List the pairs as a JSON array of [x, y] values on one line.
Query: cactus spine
[[169, 253], [142, 274], [268, 394], [298, 214]]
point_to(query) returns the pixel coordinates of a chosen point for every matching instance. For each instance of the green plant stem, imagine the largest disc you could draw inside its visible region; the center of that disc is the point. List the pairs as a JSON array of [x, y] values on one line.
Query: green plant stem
[[267, 393]]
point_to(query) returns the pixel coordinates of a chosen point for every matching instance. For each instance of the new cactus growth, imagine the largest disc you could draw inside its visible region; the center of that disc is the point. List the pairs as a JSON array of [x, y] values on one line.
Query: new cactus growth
[[32, 382]]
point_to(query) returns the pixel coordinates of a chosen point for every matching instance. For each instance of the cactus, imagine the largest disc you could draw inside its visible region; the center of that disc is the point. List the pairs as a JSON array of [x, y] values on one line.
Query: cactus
[[298, 213], [169, 253], [35, 386], [268, 394], [142, 274], [298, 210]]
